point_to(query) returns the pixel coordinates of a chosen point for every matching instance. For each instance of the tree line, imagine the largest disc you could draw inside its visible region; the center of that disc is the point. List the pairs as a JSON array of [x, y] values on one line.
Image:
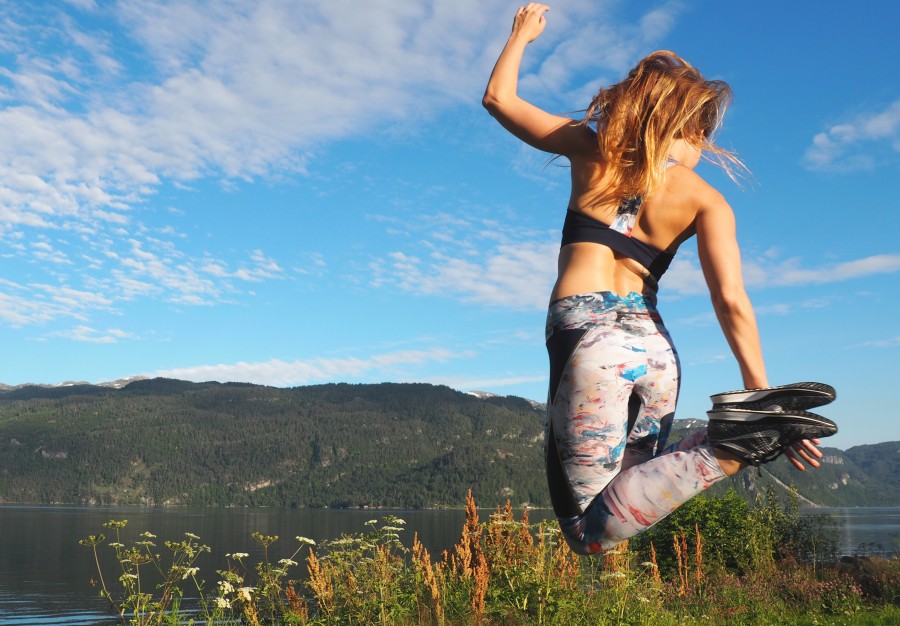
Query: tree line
[[169, 442]]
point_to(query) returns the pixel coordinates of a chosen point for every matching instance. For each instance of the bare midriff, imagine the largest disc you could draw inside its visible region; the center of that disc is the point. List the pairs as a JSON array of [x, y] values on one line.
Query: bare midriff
[[591, 267]]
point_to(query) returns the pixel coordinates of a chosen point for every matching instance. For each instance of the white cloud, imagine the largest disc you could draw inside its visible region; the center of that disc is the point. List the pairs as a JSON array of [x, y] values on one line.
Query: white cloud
[[116, 271], [516, 276], [889, 342], [482, 383], [853, 144], [92, 124], [262, 268], [768, 273], [90, 335], [576, 27], [684, 276], [518, 271], [238, 90], [280, 373], [87, 5]]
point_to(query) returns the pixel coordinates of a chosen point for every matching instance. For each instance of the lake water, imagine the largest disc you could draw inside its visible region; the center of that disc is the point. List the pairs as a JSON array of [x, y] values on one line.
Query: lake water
[[45, 573]]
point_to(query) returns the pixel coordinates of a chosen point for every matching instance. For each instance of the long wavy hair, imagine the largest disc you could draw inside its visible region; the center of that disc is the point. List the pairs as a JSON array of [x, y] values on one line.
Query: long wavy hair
[[662, 99]]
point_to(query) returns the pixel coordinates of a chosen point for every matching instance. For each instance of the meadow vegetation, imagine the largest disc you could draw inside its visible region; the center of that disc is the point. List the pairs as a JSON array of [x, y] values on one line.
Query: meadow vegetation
[[716, 560]]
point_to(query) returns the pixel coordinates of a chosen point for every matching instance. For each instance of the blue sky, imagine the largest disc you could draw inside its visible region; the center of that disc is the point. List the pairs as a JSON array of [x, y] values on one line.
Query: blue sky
[[293, 192]]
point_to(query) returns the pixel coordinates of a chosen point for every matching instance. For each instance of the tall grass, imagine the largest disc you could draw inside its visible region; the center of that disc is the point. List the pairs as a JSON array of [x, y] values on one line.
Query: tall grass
[[505, 570]]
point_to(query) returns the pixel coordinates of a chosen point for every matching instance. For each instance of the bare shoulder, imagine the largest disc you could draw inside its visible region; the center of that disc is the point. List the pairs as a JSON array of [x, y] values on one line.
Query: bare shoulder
[[692, 190], [581, 142]]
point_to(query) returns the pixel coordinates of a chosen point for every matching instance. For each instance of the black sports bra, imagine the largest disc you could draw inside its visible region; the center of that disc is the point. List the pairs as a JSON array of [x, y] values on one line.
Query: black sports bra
[[580, 227]]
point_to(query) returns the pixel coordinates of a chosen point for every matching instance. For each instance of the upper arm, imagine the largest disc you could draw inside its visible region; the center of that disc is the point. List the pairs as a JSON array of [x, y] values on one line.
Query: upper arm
[[540, 129], [717, 245]]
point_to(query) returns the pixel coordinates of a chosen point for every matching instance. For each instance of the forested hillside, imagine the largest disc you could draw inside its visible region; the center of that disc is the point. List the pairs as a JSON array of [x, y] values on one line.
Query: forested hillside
[[161, 442], [168, 442]]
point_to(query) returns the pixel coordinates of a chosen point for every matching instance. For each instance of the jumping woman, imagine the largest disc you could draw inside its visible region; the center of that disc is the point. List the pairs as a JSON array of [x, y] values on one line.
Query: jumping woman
[[614, 373]]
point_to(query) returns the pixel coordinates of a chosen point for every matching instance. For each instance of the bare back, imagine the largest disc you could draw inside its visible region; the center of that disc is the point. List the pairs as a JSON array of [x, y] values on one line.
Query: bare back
[[665, 220]]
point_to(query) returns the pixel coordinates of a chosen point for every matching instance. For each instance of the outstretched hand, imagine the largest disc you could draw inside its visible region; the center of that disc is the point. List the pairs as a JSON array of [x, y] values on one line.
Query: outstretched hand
[[529, 22], [805, 451]]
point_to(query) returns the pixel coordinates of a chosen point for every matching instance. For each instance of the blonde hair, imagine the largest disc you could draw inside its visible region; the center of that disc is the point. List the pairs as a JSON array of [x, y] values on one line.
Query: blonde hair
[[662, 99]]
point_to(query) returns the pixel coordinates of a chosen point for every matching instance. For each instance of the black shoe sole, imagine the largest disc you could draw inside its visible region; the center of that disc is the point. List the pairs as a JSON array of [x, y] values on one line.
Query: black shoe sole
[[743, 432], [797, 396]]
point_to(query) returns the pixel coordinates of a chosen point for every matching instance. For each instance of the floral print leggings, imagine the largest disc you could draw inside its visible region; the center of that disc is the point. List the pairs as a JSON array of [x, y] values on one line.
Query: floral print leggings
[[614, 377]]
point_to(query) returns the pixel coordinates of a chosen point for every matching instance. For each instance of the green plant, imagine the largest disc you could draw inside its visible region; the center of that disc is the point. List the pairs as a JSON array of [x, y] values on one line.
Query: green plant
[[136, 603], [508, 571]]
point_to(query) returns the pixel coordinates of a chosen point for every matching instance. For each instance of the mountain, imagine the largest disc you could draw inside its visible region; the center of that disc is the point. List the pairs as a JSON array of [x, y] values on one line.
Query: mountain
[[171, 442]]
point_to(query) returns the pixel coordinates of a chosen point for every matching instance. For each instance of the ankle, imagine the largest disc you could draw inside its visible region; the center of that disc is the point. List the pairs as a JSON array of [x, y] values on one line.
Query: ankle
[[729, 463]]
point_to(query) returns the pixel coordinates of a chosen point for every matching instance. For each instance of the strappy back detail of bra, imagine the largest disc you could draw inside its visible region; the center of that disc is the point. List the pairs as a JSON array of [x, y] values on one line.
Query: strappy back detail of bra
[[581, 227]]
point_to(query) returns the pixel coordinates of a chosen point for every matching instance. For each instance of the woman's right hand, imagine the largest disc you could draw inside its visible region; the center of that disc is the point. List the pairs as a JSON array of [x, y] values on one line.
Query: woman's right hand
[[529, 22]]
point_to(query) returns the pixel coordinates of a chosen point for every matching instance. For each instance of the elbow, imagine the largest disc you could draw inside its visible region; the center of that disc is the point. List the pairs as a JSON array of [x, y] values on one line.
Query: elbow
[[730, 302], [497, 99], [490, 102]]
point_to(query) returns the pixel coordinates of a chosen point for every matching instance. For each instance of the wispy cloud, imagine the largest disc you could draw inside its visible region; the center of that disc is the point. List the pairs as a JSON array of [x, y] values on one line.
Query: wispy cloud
[[769, 272], [114, 272], [94, 124], [222, 89], [580, 26], [91, 335], [854, 144], [519, 271], [281, 373], [476, 383], [710, 359], [889, 342], [22, 305], [514, 276]]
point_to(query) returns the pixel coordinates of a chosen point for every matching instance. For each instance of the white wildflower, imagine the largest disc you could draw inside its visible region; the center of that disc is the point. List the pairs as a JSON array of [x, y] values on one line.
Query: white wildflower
[[244, 593], [305, 540], [343, 541], [124, 577], [395, 529], [191, 536], [147, 535], [116, 544], [222, 603], [225, 587], [237, 555], [287, 562], [189, 571]]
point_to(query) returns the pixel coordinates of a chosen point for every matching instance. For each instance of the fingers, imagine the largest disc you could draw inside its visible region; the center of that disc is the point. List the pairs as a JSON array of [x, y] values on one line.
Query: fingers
[[533, 8], [797, 464], [804, 452], [531, 17]]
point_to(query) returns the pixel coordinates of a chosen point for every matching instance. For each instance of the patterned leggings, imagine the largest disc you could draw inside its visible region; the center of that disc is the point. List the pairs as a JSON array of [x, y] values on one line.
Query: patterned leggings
[[614, 377]]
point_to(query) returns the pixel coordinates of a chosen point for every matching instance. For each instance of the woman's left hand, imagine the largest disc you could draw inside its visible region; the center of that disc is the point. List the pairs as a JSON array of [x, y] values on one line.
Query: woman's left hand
[[805, 451]]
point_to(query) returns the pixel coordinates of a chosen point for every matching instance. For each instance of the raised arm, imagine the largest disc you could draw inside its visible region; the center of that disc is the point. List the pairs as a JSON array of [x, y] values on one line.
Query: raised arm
[[720, 259], [544, 131]]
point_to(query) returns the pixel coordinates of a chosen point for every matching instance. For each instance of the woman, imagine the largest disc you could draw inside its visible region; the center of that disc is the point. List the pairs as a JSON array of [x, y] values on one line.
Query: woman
[[614, 373]]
